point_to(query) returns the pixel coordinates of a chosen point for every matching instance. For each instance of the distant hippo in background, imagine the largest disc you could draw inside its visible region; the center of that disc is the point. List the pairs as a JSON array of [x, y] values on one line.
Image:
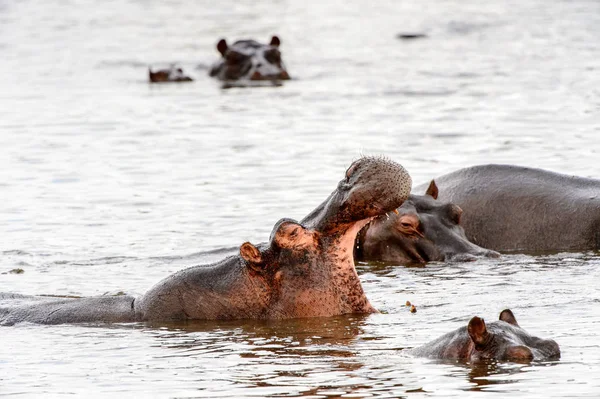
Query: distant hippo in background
[[173, 74], [305, 270], [423, 230], [249, 60], [502, 340], [513, 208]]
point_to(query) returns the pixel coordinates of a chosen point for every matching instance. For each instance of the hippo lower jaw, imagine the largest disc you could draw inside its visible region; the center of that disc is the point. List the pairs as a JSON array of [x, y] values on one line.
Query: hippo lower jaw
[[279, 76]]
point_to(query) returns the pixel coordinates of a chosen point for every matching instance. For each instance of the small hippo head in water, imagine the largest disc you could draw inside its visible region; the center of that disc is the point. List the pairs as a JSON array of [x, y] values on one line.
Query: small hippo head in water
[[423, 230], [249, 60], [173, 74], [502, 340]]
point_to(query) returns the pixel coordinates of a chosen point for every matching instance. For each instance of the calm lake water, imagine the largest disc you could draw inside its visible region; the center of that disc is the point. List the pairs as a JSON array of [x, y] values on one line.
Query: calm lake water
[[110, 184]]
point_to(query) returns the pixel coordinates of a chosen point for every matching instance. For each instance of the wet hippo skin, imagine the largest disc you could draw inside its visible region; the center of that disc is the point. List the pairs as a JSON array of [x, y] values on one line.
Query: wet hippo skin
[[423, 229], [249, 60], [517, 209], [306, 269], [502, 340]]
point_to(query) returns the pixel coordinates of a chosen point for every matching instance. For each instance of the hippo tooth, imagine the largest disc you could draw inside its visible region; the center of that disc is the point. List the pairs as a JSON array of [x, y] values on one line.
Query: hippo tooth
[[396, 211]]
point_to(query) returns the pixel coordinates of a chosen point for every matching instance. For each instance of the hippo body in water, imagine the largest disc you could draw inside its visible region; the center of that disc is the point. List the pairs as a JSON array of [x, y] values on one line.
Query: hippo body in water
[[502, 340], [173, 74], [306, 269], [518, 209], [424, 229], [248, 60]]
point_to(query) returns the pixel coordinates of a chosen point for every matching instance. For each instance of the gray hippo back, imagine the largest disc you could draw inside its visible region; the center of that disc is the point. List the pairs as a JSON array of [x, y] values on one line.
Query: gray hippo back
[[518, 209]]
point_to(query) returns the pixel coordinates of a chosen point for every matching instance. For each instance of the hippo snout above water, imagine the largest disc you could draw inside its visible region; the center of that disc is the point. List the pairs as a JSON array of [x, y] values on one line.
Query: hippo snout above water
[[172, 74], [306, 269], [249, 60], [422, 230], [502, 340]]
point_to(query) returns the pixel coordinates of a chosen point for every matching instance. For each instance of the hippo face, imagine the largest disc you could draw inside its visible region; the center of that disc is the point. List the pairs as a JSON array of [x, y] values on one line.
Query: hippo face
[[422, 230], [502, 340], [173, 74], [505, 340], [250, 60]]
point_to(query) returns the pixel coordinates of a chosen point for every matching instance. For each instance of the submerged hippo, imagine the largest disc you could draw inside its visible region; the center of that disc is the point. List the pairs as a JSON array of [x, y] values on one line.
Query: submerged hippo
[[514, 208], [502, 340], [306, 269], [249, 60], [423, 230], [173, 74]]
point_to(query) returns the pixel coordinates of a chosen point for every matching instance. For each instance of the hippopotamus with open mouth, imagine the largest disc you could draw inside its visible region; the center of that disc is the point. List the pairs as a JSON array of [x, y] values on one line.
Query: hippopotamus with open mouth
[[422, 230], [306, 269], [250, 60], [502, 340], [173, 74], [513, 208]]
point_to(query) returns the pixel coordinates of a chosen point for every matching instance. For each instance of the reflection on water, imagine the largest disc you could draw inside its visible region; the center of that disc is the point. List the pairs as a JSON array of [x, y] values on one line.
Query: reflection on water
[[110, 184]]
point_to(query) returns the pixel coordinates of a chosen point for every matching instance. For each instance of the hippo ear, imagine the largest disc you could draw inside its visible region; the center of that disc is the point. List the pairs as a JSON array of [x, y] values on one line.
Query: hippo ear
[[478, 331], [275, 41], [222, 47], [507, 316], [251, 254], [432, 190]]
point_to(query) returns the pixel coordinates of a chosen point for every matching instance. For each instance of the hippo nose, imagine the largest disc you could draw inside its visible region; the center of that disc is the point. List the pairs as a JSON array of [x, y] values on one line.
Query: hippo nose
[[284, 75]]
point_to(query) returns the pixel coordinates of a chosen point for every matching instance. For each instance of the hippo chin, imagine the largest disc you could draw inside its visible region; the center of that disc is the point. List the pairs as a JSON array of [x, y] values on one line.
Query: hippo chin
[[518, 209], [248, 60], [502, 340], [422, 230], [306, 269], [173, 74]]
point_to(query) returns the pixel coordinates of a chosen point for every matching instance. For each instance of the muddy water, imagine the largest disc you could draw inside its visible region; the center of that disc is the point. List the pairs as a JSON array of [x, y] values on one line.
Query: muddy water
[[109, 184]]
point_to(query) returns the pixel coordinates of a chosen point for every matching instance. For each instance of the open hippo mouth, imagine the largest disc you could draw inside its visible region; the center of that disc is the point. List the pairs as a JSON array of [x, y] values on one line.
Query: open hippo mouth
[[305, 270], [371, 187]]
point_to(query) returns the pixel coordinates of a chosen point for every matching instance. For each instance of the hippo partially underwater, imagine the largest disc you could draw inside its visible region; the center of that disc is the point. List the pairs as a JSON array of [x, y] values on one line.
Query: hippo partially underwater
[[249, 60], [172, 74], [502, 340], [518, 209], [306, 269], [422, 230]]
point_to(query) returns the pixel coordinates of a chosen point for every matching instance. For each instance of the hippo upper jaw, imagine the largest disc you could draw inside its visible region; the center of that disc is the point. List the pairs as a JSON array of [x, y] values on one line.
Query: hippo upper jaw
[[372, 187]]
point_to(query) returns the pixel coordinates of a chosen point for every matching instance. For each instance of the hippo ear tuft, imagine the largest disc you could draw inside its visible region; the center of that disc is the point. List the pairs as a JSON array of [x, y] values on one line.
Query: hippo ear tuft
[[507, 316], [275, 41], [478, 331], [250, 253], [432, 190], [222, 47]]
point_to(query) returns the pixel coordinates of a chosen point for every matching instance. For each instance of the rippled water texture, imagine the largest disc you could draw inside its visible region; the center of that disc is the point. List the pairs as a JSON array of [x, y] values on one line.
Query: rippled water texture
[[110, 184]]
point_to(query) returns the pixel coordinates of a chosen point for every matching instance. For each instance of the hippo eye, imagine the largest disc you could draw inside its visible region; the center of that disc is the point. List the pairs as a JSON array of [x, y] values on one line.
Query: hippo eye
[[455, 213], [273, 56], [234, 57], [406, 225]]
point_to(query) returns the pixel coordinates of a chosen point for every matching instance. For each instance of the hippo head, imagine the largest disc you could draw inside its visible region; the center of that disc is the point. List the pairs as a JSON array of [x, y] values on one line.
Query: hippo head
[[423, 230], [505, 340], [250, 60], [173, 74], [307, 268]]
